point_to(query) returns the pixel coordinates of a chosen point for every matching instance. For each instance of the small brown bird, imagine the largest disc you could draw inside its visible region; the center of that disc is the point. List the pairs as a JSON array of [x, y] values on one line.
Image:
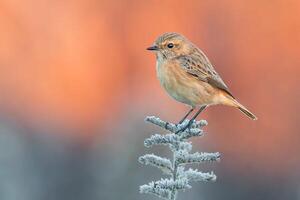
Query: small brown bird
[[188, 76]]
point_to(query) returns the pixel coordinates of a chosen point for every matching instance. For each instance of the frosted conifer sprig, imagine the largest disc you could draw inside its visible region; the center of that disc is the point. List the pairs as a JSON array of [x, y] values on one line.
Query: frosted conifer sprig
[[162, 139], [180, 178], [183, 157], [195, 175], [162, 163]]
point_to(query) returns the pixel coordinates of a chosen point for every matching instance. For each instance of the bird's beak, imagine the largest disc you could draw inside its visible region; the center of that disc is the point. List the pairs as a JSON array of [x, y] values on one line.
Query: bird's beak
[[153, 48]]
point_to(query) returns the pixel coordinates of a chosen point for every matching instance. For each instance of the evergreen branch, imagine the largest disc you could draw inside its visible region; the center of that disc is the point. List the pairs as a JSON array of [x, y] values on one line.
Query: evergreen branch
[[180, 146], [174, 128], [167, 184], [151, 189], [162, 163], [169, 139], [195, 175], [158, 122], [162, 139], [191, 133], [183, 157]]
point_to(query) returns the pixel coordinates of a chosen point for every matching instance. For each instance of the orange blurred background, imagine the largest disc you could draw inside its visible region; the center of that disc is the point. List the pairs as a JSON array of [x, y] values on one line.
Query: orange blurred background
[[77, 68]]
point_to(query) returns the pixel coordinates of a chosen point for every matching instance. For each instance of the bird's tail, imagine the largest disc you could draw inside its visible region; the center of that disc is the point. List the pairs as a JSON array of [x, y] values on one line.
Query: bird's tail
[[244, 110]]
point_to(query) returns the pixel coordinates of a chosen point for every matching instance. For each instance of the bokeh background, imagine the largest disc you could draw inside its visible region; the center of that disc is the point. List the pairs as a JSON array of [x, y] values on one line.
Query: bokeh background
[[76, 83]]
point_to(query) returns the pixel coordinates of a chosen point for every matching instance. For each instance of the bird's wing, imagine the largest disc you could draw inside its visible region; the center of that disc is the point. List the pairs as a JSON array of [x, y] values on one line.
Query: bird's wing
[[197, 64]]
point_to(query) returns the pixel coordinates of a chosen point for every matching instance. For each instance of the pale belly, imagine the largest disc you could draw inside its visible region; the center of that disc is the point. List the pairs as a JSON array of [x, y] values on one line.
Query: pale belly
[[185, 88]]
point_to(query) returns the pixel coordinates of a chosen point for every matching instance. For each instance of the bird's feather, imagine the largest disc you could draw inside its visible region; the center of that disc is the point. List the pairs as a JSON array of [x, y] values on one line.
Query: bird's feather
[[197, 64]]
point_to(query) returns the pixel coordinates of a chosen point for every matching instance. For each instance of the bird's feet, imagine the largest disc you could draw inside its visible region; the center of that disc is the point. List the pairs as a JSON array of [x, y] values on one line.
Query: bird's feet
[[188, 125]]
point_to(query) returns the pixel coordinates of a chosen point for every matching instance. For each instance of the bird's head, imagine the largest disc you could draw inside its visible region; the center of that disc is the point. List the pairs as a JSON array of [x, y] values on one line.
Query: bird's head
[[170, 45]]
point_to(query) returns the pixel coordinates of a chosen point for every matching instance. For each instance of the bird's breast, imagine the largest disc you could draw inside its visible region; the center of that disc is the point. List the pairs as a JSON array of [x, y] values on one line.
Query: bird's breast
[[176, 82], [182, 86]]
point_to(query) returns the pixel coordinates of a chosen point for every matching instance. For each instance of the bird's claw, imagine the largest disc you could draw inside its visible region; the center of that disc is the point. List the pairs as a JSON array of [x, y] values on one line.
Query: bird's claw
[[188, 125]]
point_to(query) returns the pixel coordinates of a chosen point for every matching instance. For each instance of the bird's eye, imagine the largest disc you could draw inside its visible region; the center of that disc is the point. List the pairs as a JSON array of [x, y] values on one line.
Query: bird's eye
[[170, 45]]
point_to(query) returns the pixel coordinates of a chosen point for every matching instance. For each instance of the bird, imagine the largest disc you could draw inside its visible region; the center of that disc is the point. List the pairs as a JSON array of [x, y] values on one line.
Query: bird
[[188, 76]]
